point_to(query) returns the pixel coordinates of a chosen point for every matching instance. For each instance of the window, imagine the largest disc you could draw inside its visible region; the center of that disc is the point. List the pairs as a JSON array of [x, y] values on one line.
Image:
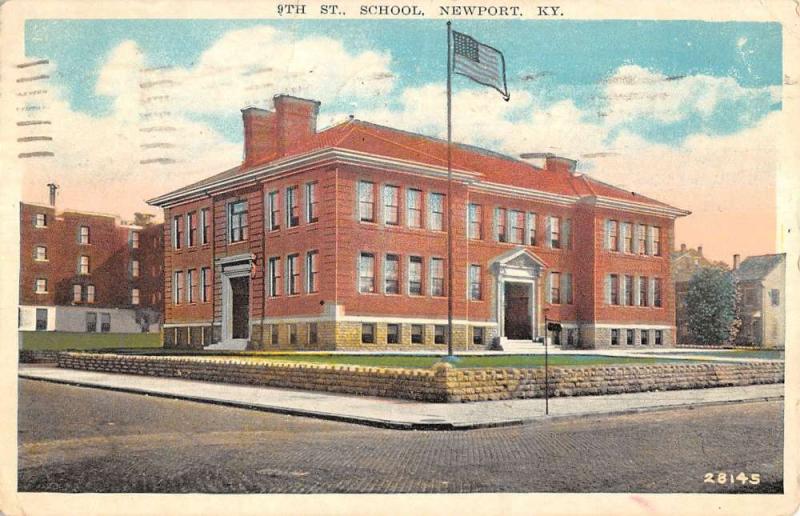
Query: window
[[40, 220], [641, 232], [178, 294], [555, 232], [77, 293], [312, 333], [135, 296], [41, 254], [391, 274], [83, 265], [41, 286], [415, 276], [134, 268], [391, 205], [475, 222], [627, 232], [417, 333], [292, 329], [477, 335], [205, 284], [105, 322], [437, 277], [292, 207], [392, 333], [436, 221], [274, 276], [135, 240], [414, 208], [274, 335], [613, 236], [91, 322], [177, 232], [191, 233], [775, 297], [191, 285], [312, 202], [440, 334], [90, 293], [274, 210], [205, 226], [500, 224], [555, 288], [237, 221], [366, 273], [657, 292], [643, 291], [367, 333], [627, 295], [83, 235], [366, 201], [531, 229], [644, 337], [658, 337], [613, 286], [655, 232], [292, 275], [615, 337], [629, 337], [566, 288], [312, 271], [517, 227], [475, 282]]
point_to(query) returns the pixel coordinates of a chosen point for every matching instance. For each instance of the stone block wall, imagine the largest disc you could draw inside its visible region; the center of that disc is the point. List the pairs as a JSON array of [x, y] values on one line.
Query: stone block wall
[[442, 383]]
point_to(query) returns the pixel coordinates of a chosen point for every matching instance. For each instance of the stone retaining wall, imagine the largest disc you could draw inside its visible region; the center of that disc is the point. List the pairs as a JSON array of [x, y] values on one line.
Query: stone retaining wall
[[442, 383], [31, 356]]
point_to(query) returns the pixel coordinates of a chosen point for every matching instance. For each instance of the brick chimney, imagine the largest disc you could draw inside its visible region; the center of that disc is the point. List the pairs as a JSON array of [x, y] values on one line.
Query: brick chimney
[[269, 134], [736, 259], [53, 190], [558, 164], [700, 250]]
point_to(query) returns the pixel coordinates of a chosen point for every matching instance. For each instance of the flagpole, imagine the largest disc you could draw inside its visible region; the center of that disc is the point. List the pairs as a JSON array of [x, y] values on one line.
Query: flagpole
[[449, 198]]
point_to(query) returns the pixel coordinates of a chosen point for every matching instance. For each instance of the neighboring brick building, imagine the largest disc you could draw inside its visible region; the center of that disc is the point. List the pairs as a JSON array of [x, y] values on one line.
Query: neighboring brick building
[[335, 239], [88, 272], [685, 263], [762, 282]]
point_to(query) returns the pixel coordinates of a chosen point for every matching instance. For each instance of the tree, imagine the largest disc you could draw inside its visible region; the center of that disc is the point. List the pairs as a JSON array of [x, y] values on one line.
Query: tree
[[142, 219], [712, 306]]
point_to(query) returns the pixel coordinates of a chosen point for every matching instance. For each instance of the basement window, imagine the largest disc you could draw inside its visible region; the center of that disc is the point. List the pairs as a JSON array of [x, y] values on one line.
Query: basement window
[[440, 334], [368, 333], [392, 333]]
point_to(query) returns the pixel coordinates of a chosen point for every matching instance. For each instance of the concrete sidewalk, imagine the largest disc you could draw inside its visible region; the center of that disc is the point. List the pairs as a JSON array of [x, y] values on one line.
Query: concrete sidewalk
[[399, 414]]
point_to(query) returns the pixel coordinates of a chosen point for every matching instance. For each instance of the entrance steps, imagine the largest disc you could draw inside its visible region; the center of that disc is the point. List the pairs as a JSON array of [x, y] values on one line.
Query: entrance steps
[[230, 345], [525, 346]]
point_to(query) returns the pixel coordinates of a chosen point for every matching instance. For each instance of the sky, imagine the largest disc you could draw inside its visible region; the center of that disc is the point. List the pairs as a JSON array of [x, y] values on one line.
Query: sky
[[681, 111]]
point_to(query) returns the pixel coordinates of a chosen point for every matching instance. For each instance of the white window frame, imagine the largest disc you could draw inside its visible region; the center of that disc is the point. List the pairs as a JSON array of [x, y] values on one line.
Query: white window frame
[[386, 275], [204, 223], [310, 272], [37, 283], [312, 216], [90, 294], [274, 271], [431, 277], [88, 265], [291, 196], [363, 183], [421, 276], [77, 293], [135, 296], [43, 257], [443, 213], [81, 239], [291, 272], [411, 192], [361, 256]]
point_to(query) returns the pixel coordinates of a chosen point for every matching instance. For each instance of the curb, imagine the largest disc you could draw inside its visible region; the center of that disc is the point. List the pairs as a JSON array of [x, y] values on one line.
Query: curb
[[389, 424]]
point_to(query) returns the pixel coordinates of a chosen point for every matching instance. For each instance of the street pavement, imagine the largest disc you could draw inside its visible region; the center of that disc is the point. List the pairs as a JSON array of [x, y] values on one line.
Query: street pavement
[[77, 439], [396, 413]]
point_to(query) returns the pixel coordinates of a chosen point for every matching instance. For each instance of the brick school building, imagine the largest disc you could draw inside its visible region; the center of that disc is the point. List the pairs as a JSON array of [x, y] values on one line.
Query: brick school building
[[336, 239]]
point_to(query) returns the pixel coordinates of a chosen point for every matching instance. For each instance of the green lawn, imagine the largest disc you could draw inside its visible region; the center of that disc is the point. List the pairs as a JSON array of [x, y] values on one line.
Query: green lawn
[[518, 361], [57, 341], [770, 354]]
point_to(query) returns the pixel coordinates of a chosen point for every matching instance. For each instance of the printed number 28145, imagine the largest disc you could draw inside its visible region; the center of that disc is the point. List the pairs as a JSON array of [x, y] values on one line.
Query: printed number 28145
[[728, 478]]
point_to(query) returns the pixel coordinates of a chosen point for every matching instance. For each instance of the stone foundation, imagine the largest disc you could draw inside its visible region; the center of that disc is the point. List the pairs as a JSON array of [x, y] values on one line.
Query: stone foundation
[[442, 383]]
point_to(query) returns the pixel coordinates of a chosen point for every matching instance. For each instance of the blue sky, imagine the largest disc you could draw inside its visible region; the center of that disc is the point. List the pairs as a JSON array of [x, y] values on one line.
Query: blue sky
[[566, 59]]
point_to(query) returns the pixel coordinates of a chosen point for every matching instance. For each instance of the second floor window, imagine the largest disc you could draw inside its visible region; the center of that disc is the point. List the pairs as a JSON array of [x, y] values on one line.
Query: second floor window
[[83, 265], [191, 285], [237, 221], [657, 292], [292, 275], [41, 286], [437, 277], [83, 236], [555, 232], [475, 282], [391, 205], [391, 274], [312, 203], [415, 276], [475, 226], [644, 291], [191, 234], [414, 208], [312, 271], [134, 240], [531, 229], [178, 294], [627, 235], [516, 232], [274, 276], [90, 293], [41, 253], [627, 295], [134, 268], [437, 212], [613, 289], [135, 296], [77, 293], [500, 224], [292, 207], [366, 273], [205, 226], [273, 211], [366, 201], [555, 287], [205, 284], [177, 232]]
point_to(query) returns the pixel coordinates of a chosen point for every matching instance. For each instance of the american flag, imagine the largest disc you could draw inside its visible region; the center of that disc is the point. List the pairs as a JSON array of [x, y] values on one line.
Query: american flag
[[481, 63]]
